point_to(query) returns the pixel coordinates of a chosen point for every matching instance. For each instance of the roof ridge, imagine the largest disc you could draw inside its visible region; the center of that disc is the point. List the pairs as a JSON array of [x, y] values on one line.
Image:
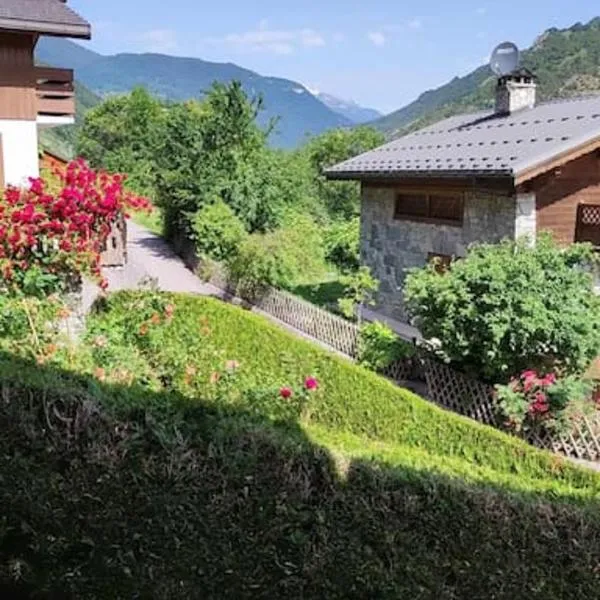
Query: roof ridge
[[588, 96]]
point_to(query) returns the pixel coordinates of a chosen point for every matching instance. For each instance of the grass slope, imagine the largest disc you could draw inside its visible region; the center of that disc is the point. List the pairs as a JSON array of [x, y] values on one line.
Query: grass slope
[[566, 62], [177, 476]]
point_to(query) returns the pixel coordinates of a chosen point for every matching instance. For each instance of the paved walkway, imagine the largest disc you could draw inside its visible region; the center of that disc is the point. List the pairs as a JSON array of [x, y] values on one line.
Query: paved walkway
[[150, 256]]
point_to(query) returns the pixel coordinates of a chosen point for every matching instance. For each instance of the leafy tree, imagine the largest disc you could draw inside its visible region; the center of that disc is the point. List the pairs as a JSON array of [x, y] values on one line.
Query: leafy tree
[[342, 244], [509, 307], [217, 231], [342, 199], [360, 290], [123, 135]]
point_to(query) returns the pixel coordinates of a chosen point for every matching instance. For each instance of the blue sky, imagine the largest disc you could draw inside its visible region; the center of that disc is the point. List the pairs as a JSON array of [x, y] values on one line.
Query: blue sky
[[381, 53]]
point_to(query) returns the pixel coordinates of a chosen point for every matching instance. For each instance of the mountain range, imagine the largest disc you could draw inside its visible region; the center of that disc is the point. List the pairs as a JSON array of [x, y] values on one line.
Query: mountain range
[[565, 61], [297, 111]]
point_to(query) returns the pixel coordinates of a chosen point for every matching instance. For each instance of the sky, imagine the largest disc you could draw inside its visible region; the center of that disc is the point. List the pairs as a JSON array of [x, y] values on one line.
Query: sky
[[380, 53]]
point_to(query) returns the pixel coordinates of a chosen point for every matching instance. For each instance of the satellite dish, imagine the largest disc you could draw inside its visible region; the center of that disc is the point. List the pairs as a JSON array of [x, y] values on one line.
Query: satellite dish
[[505, 59]]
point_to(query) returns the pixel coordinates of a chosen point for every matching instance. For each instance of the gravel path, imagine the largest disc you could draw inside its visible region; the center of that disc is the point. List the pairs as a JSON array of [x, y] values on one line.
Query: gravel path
[[150, 256]]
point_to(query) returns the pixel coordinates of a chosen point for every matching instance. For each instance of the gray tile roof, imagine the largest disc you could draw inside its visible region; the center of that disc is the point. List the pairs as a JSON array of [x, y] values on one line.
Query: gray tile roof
[[52, 17], [482, 144]]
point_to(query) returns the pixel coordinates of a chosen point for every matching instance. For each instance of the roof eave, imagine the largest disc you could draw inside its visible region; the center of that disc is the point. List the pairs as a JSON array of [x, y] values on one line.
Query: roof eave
[[83, 32], [395, 175]]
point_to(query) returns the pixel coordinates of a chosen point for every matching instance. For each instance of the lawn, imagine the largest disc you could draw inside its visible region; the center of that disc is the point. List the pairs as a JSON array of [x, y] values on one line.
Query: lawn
[[179, 454]]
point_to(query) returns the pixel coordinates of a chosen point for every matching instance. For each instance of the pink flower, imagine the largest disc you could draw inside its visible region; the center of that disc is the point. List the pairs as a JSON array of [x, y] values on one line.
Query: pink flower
[[286, 393], [528, 375], [311, 384], [549, 380], [232, 365]]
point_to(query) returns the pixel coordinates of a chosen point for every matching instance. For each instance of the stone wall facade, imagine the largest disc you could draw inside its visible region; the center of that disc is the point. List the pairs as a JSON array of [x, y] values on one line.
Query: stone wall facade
[[390, 247]]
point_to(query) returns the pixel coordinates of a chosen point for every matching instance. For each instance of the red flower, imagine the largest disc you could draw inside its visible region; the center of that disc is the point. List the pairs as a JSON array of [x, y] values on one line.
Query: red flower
[[311, 384], [549, 380], [286, 393]]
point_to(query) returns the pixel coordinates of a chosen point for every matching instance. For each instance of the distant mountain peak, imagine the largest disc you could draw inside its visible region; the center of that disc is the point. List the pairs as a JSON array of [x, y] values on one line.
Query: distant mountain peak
[[348, 108]]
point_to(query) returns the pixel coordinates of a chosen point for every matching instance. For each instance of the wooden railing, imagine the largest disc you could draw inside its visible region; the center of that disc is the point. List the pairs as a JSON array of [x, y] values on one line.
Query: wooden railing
[[55, 92]]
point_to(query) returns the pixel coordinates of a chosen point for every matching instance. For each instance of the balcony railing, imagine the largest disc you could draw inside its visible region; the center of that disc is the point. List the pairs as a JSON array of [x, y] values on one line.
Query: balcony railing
[[55, 92]]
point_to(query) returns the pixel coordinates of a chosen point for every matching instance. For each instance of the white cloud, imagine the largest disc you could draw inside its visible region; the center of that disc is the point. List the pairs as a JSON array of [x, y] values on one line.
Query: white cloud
[[415, 24], [311, 38], [377, 38], [274, 41], [157, 40]]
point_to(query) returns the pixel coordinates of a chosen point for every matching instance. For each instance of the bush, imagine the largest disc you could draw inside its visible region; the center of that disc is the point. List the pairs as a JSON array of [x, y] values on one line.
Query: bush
[[532, 401], [52, 236], [280, 259], [360, 290], [342, 245], [217, 231], [508, 308], [379, 346]]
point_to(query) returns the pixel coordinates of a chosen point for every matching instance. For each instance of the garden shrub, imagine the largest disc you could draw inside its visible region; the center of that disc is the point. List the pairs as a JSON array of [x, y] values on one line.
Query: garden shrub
[[532, 401], [217, 231], [360, 290], [342, 244], [510, 307], [50, 239], [379, 346], [280, 259]]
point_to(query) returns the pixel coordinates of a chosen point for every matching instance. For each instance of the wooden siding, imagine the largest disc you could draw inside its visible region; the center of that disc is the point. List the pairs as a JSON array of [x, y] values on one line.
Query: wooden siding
[[50, 161], [559, 193], [17, 78]]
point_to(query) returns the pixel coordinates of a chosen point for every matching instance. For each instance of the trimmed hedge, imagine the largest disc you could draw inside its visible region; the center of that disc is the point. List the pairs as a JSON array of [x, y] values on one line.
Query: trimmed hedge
[[205, 333], [148, 490]]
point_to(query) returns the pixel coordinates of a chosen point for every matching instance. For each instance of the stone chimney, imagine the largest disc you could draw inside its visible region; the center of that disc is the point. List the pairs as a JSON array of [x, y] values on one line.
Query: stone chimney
[[515, 92]]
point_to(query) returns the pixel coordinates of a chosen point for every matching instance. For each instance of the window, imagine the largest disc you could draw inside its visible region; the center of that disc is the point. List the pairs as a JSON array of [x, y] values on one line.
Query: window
[[442, 261], [445, 209]]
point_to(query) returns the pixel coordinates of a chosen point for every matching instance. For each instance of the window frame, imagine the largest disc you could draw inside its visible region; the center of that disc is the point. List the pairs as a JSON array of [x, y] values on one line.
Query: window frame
[[427, 195]]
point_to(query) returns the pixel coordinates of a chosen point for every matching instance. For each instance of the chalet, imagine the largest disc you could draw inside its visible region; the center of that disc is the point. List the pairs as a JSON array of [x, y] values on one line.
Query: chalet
[[513, 171], [32, 97]]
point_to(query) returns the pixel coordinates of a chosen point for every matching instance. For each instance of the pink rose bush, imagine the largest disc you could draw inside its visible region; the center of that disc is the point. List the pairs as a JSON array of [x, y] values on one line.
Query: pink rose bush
[[533, 401]]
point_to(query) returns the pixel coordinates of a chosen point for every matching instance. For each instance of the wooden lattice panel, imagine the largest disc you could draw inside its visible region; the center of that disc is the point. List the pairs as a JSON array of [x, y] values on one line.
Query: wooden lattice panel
[[588, 224], [311, 320], [474, 399]]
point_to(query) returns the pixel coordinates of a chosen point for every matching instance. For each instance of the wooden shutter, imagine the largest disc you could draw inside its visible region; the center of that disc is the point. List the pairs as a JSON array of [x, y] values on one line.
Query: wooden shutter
[[1, 164]]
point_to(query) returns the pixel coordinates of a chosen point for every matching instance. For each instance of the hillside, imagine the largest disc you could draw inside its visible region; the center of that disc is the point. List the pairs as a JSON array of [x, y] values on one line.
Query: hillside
[[566, 62], [298, 112]]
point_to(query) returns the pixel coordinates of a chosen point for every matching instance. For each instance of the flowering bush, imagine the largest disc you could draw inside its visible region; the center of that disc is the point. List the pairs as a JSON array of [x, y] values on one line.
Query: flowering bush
[[50, 239], [532, 400]]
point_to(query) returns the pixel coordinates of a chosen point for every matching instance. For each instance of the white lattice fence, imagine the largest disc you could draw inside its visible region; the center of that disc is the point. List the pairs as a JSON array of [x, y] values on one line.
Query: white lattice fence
[[312, 320], [474, 399]]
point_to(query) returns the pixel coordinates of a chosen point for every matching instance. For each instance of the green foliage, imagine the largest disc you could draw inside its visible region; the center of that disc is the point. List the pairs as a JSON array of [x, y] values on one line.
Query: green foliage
[[556, 405], [282, 258], [342, 244], [123, 135], [217, 231], [313, 485], [379, 346], [360, 291], [507, 308], [341, 199]]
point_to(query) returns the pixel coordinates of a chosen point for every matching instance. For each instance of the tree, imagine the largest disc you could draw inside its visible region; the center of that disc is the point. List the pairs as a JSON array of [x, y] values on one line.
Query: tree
[[510, 307], [342, 199], [123, 134]]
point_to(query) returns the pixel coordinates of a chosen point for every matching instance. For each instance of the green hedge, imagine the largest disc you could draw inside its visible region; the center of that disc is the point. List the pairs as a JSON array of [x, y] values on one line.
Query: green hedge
[[223, 504], [206, 333], [165, 488]]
